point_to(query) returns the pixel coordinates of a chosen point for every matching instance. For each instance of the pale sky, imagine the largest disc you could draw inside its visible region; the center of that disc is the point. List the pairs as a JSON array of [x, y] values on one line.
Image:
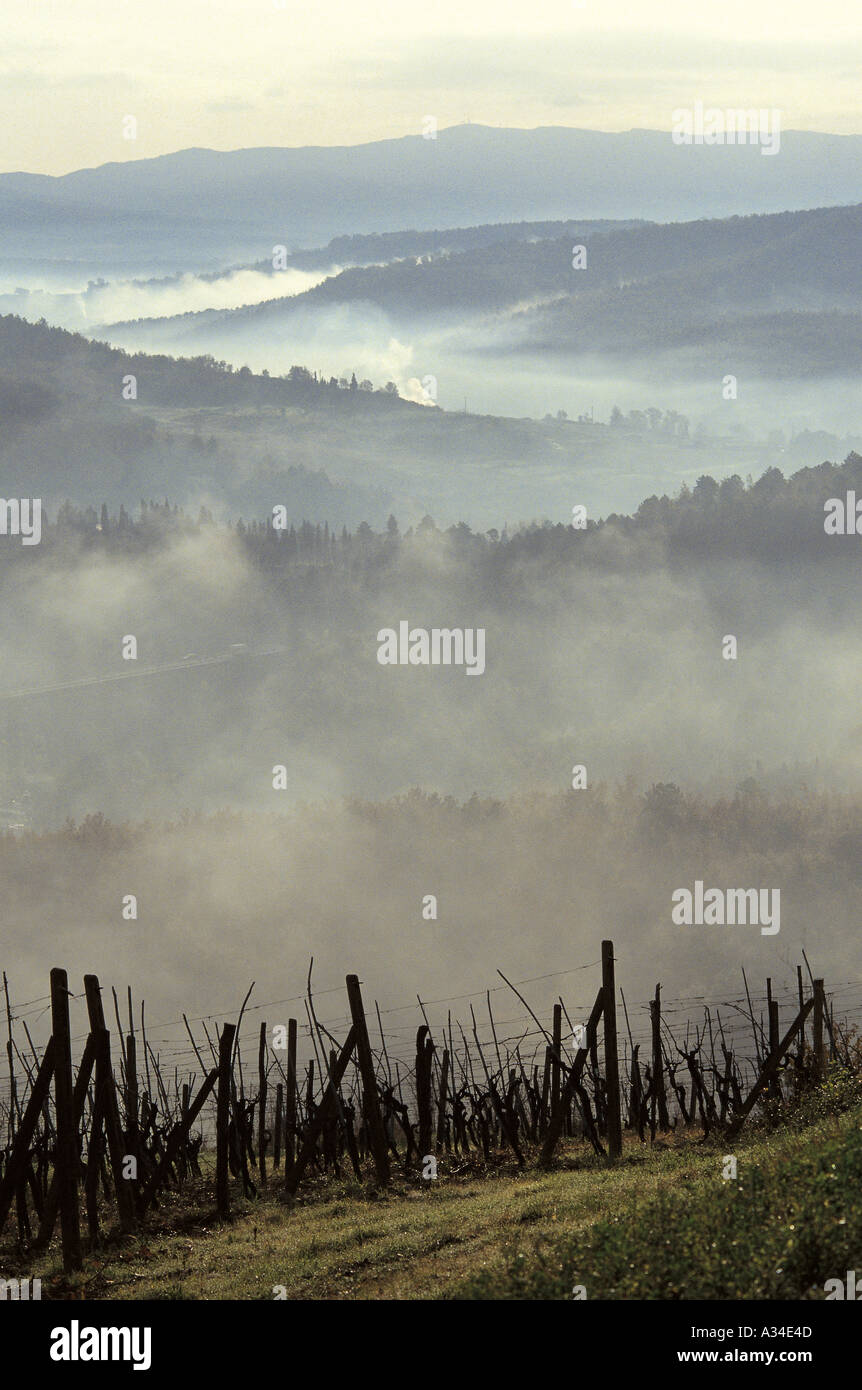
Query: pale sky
[[228, 74]]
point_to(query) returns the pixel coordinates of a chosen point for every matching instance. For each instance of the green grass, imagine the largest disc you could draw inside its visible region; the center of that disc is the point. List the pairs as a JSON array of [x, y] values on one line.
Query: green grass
[[791, 1220], [661, 1223]]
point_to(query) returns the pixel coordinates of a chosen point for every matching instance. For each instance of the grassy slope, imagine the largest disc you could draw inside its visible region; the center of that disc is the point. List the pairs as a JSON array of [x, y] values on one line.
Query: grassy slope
[[791, 1220], [666, 1226]]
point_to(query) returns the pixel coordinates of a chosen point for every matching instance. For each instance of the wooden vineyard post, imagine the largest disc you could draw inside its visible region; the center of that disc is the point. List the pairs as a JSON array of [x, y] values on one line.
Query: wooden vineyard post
[[544, 1109], [555, 1060], [597, 1082], [276, 1131], [67, 1157], [424, 1054], [106, 1089], [774, 1040], [658, 1063], [225, 1053], [371, 1102], [442, 1132], [612, 1068], [95, 1145], [184, 1119], [48, 1218], [724, 1088], [290, 1104], [819, 1015], [261, 1114], [636, 1119], [132, 1103]]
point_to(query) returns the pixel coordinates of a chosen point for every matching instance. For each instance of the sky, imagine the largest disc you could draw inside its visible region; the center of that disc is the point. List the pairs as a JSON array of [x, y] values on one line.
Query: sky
[[229, 74]]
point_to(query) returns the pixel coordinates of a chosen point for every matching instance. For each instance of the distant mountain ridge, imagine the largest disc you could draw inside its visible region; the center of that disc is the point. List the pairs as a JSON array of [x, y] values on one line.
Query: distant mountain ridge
[[196, 204]]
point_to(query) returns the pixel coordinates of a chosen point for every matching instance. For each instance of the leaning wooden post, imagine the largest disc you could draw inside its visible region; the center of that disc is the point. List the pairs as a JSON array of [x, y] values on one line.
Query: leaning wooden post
[[819, 1015], [19, 1156], [67, 1156], [612, 1068], [290, 1104], [225, 1052], [110, 1109], [48, 1218], [768, 1070], [261, 1114], [371, 1101]]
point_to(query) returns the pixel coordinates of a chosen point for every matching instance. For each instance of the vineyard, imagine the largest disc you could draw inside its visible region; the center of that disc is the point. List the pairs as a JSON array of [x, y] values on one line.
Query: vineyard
[[97, 1130]]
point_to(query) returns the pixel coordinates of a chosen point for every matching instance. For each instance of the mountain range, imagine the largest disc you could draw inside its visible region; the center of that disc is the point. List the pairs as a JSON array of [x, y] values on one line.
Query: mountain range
[[197, 207]]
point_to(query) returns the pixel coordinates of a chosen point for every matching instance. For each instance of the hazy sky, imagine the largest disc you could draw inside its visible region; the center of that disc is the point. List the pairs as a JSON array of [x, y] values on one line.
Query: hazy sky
[[233, 73]]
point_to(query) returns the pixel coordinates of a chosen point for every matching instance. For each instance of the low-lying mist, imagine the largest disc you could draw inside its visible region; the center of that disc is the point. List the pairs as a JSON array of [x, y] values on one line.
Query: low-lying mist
[[530, 886], [612, 659], [82, 308], [279, 793], [486, 362]]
